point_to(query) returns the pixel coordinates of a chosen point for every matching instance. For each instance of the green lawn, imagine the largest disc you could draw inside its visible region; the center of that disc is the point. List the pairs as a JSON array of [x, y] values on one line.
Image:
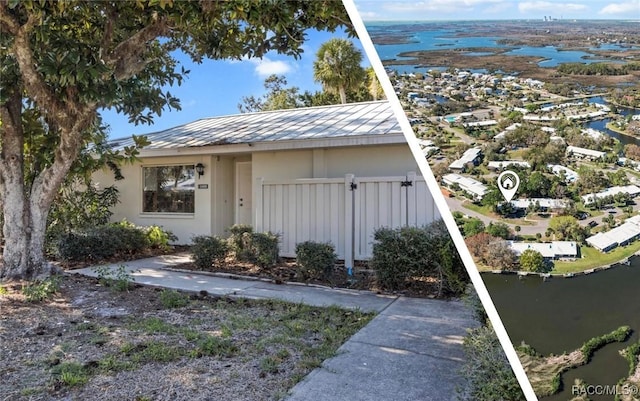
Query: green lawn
[[592, 258], [516, 154]]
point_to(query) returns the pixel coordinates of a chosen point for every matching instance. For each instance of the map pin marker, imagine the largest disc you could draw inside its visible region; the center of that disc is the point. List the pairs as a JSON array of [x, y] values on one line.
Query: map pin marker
[[508, 183]]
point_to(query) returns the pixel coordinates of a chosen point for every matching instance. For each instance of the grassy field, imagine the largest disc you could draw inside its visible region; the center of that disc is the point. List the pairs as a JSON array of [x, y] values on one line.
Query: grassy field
[[592, 258], [516, 154], [99, 343]]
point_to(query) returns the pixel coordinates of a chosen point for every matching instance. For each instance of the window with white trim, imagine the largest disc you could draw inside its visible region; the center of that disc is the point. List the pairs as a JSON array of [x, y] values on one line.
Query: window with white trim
[[169, 189]]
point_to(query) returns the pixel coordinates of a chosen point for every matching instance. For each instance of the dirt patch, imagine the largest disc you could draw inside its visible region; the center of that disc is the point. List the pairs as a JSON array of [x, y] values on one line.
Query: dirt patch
[[91, 343]]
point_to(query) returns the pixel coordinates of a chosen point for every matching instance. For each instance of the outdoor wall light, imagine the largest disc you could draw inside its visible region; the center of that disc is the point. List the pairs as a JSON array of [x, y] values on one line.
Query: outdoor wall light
[[200, 169]]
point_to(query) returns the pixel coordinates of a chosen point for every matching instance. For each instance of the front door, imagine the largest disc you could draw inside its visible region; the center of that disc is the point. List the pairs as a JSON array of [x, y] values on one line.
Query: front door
[[243, 193]]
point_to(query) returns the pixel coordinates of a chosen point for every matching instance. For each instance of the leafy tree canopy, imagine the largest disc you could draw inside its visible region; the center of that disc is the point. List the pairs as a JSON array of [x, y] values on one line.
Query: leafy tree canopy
[[64, 60]]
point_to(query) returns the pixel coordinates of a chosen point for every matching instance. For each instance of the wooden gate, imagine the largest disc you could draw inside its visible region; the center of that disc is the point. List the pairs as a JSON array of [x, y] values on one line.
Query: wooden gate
[[344, 211]]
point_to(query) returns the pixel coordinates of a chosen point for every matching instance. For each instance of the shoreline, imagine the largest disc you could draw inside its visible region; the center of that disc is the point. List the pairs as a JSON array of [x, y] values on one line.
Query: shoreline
[[545, 276]]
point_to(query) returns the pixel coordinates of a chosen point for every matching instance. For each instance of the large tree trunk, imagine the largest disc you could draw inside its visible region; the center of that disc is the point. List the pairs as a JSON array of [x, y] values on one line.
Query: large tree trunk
[[24, 232], [16, 220], [26, 206]]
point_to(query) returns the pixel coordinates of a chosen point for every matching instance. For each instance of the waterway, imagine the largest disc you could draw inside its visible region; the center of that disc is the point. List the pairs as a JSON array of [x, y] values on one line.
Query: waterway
[[601, 125], [560, 314], [436, 36]]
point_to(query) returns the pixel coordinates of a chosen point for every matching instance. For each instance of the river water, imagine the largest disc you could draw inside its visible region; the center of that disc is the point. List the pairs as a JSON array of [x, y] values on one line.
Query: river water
[[560, 314], [601, 125]]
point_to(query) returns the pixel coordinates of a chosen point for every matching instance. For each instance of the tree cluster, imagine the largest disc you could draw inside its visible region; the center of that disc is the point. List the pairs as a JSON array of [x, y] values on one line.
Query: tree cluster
[[597, 68], [63, 61]]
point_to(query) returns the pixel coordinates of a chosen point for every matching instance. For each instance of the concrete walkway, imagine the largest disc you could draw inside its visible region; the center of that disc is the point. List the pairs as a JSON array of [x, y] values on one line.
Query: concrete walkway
[[410, 351]]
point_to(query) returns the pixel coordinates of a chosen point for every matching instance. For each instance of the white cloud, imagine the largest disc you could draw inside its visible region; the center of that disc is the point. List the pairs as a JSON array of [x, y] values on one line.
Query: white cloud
[[265, 67], [369, 15], [438, 6], [628, 8], [547, 6]]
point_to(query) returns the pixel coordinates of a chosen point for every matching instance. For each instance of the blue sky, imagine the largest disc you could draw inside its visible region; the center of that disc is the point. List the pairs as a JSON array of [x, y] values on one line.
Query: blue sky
[[215, 87], [406, 10]]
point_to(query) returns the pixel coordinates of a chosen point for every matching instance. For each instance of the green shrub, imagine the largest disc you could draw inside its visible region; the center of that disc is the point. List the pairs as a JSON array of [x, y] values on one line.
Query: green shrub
[[618, 335], [127, 238], [78, 210], [390, 259], [402, 253], [236, 242], [472, 300], [261, 248], [208, 251], [159, 238], [83, 247], [102, 242], [631, 354], [315, 259], [486, 371], [39, 290]]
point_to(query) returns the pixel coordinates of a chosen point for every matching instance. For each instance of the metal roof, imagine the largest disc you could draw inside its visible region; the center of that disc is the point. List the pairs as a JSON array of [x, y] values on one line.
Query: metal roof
[[555, 249], [324, 122]]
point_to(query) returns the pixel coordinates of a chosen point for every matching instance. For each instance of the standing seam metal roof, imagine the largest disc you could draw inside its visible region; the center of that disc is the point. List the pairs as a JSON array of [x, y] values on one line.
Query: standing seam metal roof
[[345, 120]]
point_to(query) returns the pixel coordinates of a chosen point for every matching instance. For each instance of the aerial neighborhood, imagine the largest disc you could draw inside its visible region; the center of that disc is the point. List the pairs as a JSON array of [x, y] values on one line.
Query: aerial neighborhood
[[575, 150]]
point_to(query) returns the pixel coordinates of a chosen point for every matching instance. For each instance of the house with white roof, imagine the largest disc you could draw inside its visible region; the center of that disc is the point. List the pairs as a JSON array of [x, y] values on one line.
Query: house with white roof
[[483, 123], [569, 175], [327, 174], [474, 187], [549, 250], [543, 203], [632, 190], [472, 156], [622, 235], [502, 164], [584, 153]]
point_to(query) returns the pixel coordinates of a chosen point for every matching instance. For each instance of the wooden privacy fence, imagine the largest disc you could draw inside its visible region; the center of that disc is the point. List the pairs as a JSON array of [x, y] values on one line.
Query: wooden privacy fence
[[344, 211]]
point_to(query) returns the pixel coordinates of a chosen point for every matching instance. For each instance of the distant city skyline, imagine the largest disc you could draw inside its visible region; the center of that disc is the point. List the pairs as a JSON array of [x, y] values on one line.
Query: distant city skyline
[[406, 10]]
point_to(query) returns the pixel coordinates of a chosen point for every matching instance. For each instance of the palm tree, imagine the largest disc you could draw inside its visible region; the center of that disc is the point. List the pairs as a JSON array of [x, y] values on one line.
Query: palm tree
[[374, 87], [337, 67]]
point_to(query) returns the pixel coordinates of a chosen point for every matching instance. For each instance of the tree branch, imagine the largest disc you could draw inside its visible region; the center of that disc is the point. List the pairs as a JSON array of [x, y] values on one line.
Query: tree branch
[[33, 82], [125, 59], [107, 36], [7, 22], [47, 182]]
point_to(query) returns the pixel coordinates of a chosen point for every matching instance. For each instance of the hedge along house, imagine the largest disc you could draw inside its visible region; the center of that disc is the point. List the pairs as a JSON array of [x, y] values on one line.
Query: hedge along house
[[328, 174]]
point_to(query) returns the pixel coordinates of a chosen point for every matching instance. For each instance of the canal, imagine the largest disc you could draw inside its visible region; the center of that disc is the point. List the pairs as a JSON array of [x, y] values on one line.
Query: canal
[[560, 314], [601, 125]]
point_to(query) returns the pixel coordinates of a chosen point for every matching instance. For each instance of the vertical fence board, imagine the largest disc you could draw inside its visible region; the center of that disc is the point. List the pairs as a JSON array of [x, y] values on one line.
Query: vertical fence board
[[327, 210]]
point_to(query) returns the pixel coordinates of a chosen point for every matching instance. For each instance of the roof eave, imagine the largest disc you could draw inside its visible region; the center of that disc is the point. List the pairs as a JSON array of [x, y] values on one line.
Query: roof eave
[[360, 140]]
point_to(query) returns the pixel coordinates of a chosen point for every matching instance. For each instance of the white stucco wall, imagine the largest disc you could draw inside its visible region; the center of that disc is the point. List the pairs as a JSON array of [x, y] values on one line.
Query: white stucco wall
[[365, 161], [215, 205], [184, 226]]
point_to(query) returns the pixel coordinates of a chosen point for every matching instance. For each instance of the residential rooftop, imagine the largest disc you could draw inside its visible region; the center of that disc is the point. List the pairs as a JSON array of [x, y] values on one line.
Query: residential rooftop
[[551, 250], [368, 119], [632, 190], [469, 156], [468, 184], [621, 235]]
